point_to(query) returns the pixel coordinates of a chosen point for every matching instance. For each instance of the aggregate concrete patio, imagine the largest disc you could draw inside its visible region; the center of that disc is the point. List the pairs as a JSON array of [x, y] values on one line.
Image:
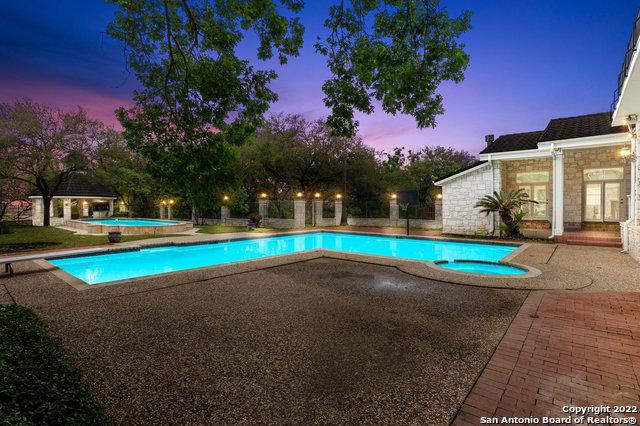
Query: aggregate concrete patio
[[324, 340]]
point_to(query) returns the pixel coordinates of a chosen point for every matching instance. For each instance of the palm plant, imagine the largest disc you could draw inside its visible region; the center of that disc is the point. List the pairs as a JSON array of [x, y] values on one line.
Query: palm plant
[[509, 207]]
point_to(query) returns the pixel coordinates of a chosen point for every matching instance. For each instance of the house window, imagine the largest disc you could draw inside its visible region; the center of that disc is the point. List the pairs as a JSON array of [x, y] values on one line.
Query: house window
[[535, 185]]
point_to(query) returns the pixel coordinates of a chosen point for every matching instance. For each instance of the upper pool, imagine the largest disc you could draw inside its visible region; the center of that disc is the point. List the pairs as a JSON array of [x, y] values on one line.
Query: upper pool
[[131, 222], [102, 268]]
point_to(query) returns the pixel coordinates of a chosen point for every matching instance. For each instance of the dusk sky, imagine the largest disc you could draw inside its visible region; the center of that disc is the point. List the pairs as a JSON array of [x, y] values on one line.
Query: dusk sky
[[531, 61]]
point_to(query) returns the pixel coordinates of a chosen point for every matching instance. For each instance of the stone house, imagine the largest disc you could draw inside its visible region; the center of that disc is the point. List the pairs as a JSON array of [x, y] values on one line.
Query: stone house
[[577, 169], [582, 172]]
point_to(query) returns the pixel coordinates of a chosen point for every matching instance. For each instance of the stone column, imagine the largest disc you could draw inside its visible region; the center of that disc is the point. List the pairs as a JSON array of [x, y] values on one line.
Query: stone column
[[558, 192], [317, 212], [337, 212], [37, 216], [85, 208], [224, 214], [438, 210], [110, 207], [161, 211], [51, 213], [299, 211], [263, 208], [66, 212], [394, 212]]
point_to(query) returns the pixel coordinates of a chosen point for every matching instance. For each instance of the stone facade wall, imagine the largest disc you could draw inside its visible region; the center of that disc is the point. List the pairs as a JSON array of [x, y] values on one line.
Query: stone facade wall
[[575, 161], [460, 195], [634, 242], [510, 170]]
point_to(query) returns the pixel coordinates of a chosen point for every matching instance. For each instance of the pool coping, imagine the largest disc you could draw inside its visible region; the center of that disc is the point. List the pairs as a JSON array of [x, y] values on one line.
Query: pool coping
[[175, 227], [419, 268]]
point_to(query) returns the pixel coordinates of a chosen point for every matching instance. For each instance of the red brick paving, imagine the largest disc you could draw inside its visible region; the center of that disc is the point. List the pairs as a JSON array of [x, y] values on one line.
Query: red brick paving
[[582, 349]]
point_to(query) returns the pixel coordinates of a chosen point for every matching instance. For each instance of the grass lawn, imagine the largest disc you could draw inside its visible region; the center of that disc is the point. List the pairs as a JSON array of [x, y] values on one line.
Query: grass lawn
[[221, 229], [26, 237], [38, 384]]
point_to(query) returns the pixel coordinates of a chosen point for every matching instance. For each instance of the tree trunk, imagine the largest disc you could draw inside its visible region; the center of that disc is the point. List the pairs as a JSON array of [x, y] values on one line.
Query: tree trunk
[[345, 198], [46, 210]]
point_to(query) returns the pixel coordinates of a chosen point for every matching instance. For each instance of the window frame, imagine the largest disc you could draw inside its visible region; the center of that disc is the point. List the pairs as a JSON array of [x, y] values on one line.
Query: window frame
[[530, 187]]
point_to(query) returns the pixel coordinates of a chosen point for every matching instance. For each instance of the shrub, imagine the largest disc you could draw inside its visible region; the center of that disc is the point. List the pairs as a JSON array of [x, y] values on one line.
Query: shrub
[[4, 228], [509, 207], [38, 384]]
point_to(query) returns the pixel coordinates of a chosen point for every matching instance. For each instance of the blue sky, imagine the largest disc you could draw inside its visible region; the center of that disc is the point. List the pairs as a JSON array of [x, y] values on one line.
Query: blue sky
[[530, 61]]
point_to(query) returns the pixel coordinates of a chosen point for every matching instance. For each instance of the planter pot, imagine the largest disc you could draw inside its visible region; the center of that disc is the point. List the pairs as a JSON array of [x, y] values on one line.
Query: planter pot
[[115, 237]]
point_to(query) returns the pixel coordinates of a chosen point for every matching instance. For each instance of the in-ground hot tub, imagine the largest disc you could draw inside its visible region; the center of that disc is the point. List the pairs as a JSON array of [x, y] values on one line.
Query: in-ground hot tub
[[130, 226]]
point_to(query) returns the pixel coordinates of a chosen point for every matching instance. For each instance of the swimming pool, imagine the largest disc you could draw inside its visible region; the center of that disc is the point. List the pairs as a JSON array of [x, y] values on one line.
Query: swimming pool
[[131, 222], [102, 268]]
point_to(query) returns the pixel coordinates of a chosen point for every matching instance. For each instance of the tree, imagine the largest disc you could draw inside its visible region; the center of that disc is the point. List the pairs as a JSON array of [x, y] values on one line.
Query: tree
[[509, 208], [11, 191], [43, 146], [199, 101], [124, 170], [396, 52], [429, 163]]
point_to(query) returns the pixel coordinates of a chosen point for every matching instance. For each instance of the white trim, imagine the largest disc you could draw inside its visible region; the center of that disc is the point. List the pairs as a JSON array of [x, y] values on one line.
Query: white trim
[[588, 141], [558, 192], [462, 173], [544, 148], [515, 155]]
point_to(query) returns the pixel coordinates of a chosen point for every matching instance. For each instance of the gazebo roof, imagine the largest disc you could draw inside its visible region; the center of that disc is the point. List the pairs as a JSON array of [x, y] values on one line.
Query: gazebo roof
[[81, 185]]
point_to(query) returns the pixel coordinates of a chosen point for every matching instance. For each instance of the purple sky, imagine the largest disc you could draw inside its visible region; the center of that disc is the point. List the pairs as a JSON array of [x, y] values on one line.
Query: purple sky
[[531, 60]]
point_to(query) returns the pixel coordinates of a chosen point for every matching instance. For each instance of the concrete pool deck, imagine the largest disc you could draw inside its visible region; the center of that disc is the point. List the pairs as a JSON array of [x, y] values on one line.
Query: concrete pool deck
[[278, 333]]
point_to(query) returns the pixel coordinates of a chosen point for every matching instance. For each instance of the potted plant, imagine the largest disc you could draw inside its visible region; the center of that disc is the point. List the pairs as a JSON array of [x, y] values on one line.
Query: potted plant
[[115, 236]]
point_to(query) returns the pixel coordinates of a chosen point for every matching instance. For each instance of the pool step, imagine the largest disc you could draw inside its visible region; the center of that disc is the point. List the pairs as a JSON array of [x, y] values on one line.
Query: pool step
[[590, 238]]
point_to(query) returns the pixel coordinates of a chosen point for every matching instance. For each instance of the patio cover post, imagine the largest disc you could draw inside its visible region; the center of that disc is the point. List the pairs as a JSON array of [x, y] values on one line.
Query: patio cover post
[[66, 209], [558, 192]]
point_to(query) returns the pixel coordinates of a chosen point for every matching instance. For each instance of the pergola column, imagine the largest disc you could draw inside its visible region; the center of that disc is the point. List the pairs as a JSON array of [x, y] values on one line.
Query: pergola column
[[66, 209], [558, 192]]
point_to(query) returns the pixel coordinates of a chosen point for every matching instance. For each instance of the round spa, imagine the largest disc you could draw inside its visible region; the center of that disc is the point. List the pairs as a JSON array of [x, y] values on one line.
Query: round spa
[[130, 226], [482, 267]]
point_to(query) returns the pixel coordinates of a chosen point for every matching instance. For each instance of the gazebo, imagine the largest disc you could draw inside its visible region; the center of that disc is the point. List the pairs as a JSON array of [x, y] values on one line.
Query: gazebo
[[79, 196]]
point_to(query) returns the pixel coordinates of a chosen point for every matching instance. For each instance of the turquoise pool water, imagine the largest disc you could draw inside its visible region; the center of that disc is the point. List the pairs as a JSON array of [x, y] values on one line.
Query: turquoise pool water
[[118, 266], [483, 268], [132, 222]]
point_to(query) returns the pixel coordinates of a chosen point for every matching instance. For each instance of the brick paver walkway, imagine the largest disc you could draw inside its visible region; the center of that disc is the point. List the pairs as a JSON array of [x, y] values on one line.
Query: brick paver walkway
[[563, 348]]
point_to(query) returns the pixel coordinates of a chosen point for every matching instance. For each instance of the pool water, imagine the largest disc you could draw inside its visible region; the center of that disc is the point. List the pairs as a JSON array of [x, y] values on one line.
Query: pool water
[[103, 268], [131, 222], [483, 268]]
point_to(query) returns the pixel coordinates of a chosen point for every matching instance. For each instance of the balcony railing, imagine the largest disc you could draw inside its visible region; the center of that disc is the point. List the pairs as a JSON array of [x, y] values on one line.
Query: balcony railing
[[624, 72]]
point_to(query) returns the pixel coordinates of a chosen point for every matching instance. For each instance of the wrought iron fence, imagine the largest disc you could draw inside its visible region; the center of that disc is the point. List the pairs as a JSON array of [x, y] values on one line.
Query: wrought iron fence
[[328, 208], [421, 211], [280, 209], [368, 209]]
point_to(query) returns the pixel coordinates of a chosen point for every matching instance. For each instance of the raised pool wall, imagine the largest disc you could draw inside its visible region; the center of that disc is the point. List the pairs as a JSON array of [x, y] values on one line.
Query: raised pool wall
[[96, 228]]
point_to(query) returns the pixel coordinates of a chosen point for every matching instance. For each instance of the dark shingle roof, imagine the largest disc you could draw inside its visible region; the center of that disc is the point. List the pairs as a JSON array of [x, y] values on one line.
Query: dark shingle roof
[[580, 127], [81, 185], [514, 142], [558, 129], [463, 169]]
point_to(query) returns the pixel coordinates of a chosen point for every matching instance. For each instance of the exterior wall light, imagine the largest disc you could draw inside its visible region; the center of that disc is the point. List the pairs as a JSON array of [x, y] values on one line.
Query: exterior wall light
[[170, 201], [439, 196], [299, 194], [263, 195], [225, 198], [164, 202], [394, 196], [316, 195]]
